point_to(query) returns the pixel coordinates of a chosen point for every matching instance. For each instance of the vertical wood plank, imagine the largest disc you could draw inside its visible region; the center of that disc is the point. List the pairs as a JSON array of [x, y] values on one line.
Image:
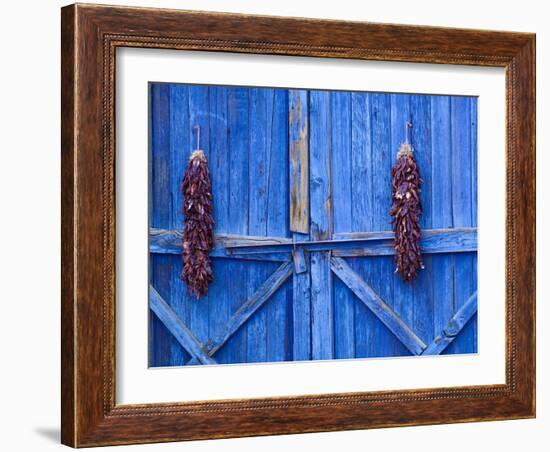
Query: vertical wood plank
[[219, 297], [423, 309], [462, 212], [298, 170], [442, 211], [474, 154], [362, 201], [403, 294], [344, 309], [238, 162], [260, 111], [179, 299], [322, 321], [277, 308], [380, 269], [161, 265], [299, 162]]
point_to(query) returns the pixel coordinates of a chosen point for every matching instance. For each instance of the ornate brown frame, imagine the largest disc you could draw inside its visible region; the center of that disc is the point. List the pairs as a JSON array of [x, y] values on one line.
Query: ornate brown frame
[[90, 36]]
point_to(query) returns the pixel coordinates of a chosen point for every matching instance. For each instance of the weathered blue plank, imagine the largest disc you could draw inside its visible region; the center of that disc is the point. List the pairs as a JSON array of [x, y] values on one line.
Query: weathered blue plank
[[238, 160], [169, 241], [461, 162], [179, 155], [260, 114], [362, 202], [178, 329], [341, 156], [376, 305], [344, 309], [423, 310], [474, 156], [403, 302], [160, 155], [454, 326], [420, 106], [322, 312], [434, 241], [161, 268], [219, 297], [382, 160], [277, 325], [219, 156], [319, 154], [441, 162], [345, 244], [238, 142], [298, 161], [462, 211], [380, 270], [299, 218], [442, 213]]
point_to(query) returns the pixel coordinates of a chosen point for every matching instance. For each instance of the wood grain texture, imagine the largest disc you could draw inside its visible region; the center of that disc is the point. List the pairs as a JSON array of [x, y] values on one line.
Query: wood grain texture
[[69, 338], [298, 161], [90, 36]]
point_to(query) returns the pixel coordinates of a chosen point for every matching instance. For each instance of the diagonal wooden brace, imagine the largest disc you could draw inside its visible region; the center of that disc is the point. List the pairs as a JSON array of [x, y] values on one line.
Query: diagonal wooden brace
[[455, 326], [380, 309], [178, 329], [264, 292]]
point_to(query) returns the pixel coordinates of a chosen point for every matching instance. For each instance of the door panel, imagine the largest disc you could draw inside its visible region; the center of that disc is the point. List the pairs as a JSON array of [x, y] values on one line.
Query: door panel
[[348, 142]]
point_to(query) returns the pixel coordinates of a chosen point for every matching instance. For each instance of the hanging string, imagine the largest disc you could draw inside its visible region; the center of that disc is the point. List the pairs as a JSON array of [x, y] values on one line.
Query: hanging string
[[198, 136]]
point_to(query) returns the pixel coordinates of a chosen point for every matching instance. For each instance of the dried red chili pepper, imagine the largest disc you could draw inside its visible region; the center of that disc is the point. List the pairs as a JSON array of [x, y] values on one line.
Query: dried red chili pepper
[[198, 231], [406, 210]]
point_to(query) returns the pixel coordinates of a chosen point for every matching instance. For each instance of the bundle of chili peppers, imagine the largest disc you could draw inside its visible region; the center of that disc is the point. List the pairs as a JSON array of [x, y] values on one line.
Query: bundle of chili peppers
[[198, 232], [406, 210]]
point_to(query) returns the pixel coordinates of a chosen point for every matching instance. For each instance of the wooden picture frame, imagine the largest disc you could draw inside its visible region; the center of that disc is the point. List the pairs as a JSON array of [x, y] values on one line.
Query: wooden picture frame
[[90, 36]]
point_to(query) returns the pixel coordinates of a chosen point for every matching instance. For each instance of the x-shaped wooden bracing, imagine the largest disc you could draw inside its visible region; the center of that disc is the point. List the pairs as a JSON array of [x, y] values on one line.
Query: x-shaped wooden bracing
[[203, 353]]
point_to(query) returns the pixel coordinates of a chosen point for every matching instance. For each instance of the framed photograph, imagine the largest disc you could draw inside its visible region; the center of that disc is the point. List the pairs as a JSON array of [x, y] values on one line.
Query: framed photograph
[[281, 225]]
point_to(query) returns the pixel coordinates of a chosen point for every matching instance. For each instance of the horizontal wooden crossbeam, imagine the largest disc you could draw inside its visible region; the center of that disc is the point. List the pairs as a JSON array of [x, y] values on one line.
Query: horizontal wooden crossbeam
[[433, 241], [453, 328], [453, 240], [378, 307], [178, 329], [255, 302], [169, 241]]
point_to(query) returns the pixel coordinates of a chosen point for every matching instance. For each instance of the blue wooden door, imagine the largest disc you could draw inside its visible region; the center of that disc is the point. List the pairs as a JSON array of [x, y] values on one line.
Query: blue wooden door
[[303, 263]]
